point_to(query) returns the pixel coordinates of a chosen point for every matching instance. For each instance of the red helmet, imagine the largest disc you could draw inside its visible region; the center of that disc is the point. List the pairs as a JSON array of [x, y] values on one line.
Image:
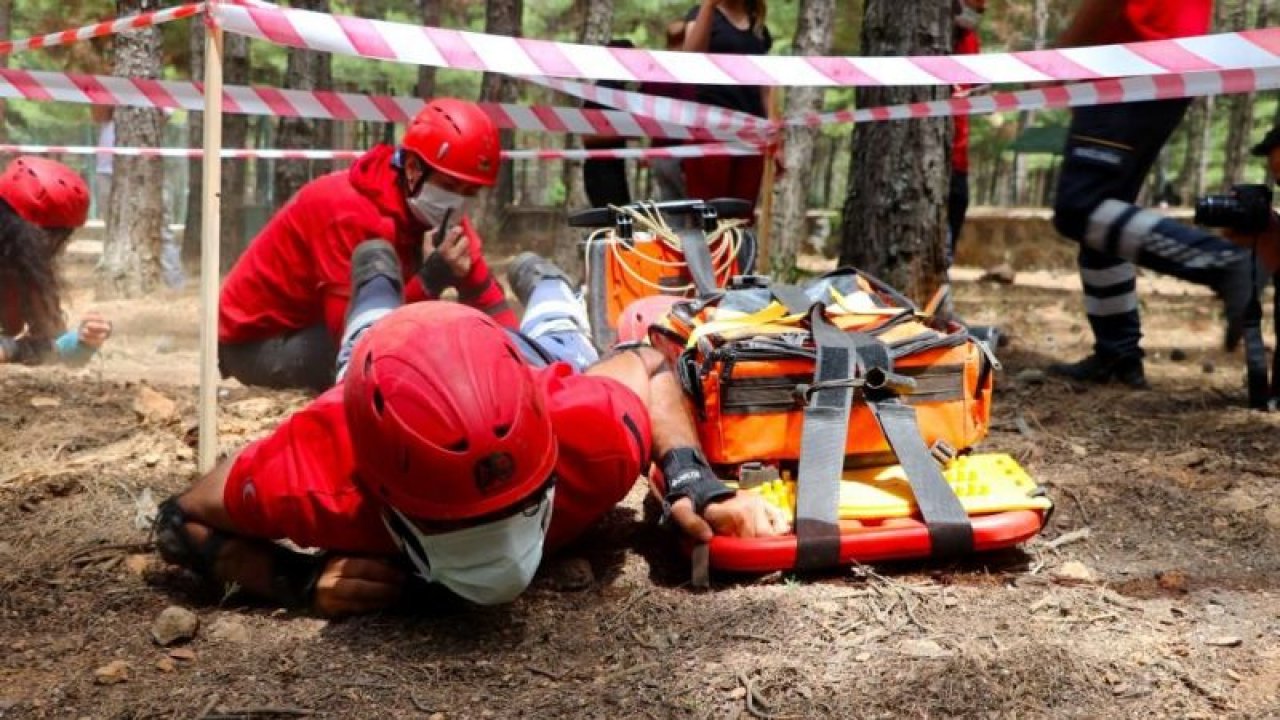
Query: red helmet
[[457, 138], [45, 193], [445, 418], [634, 322]]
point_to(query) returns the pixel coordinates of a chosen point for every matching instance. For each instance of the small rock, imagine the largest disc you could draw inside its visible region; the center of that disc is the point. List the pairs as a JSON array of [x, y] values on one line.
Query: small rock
[[1207, 367], [1272, 517], [923, 649], [1238, 501], [153, 406], [116, 671], [826, 607], [1079, 450], [229, 630], [1172, 581], [572, 574], [1003, 274], [436, 716], [737, 693], [151, 459], [253, 408], [862, 657], [1224, 641], [183, 653], [184, 453], [166, 665], [137, 563], [40, 401], [1030, 376], [174, 624], [1073, 571]]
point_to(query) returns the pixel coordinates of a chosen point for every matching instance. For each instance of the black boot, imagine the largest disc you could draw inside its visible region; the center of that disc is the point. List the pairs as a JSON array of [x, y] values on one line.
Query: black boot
[[1104, 369], [527, 270]]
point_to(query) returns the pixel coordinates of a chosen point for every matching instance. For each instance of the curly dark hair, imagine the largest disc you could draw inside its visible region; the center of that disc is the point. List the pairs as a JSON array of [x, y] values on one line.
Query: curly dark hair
[[28, 260]]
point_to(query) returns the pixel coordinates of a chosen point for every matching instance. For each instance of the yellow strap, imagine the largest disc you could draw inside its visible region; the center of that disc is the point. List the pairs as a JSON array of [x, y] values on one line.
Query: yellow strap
[[774, 313]]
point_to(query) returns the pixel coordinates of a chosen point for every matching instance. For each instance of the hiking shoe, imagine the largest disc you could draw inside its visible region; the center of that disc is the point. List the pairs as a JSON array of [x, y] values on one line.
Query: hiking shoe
[[375, 258], [1102, 369], [1240, 283], [527, 270]]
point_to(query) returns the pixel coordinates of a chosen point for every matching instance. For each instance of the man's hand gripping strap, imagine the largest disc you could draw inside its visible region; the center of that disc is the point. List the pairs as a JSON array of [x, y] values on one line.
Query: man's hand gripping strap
[[689, 475], [178, 547]]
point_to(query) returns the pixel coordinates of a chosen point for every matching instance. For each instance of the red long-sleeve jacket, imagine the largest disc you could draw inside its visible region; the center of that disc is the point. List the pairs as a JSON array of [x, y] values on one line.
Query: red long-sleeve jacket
[[297, 272]]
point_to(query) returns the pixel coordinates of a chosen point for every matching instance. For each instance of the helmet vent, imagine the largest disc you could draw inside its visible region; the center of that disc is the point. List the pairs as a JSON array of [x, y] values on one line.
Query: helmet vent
[[459, 447], [378, 403], [501, 431]]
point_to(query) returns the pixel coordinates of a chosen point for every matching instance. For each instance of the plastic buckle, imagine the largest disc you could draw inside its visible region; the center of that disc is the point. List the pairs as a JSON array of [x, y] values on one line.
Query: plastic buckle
[[943, 452], [710, 218], [748, 282], [624, 227], [755, 473]]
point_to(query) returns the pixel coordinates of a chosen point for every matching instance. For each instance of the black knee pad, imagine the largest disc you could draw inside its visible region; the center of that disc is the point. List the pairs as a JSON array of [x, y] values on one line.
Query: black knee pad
[[176, 544]]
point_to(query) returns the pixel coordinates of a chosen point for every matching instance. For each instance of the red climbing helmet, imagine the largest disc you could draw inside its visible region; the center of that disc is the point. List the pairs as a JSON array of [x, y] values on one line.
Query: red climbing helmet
[[45, 193], [457, 138], [634, 322], [445, 418]]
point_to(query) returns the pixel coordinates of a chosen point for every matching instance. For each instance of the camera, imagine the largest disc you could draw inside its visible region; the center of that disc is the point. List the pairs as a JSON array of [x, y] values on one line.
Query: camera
[[1246, 209]]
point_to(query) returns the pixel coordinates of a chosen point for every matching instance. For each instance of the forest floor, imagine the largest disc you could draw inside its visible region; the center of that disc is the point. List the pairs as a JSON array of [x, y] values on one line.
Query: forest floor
[[1153, 592]]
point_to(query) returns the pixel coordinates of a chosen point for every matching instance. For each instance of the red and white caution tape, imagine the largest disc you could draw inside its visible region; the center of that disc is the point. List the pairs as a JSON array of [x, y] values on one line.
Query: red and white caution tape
[[377, 39], [677, 151], [276, 102], [665, 109], [102, 29], [1098, 92]]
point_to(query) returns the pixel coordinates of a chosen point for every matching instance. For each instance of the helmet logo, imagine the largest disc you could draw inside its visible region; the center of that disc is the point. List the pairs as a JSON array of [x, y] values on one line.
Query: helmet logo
[[484, 163], [444, 150], [493, 472]]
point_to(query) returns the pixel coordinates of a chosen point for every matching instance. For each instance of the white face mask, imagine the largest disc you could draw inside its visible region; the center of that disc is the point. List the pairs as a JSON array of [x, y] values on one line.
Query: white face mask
[[431, 203], [488, 564], [969, 18]]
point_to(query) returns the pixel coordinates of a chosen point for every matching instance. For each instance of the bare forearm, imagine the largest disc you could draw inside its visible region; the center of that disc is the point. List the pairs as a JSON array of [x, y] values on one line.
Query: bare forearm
[[697, 36], [669, 415], [1089, 23]]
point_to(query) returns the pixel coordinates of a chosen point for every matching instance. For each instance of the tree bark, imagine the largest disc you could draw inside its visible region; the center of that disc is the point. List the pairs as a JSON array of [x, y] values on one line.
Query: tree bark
[[235, 133], [1187, 183], [597, 28], [305, 70], [895, 212], [195, 175], [501, 17], [791, 192], [130, 264], [430, 11], [1239, 114]]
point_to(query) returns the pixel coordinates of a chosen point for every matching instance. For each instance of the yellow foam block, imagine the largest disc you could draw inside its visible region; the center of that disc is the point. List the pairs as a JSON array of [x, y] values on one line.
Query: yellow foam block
[[986, 483]]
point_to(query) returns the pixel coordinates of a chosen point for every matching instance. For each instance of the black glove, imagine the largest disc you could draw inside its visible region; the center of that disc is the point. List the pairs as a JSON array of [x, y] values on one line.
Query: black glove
[[435, 274], [689, 475]]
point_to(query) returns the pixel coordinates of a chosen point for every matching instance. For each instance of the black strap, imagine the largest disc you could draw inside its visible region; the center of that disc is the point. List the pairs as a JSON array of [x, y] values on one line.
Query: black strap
[[1275, 358], [697, 256], [950, 532], [822, 442]]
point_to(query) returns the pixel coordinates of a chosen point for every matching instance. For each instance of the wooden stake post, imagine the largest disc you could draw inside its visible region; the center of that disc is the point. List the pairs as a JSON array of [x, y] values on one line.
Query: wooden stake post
[[764, 229], [210, 232]]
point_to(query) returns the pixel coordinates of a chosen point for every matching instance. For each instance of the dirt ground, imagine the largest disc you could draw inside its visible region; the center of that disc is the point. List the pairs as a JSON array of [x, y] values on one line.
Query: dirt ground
[[1153, 592]]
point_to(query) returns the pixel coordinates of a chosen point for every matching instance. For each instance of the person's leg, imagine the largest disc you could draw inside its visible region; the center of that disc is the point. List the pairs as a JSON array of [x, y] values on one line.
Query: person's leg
[[300, 360], [1108, 154], [668, 178], [706, 178], [554, 317], [376, 290], [605, 182], [957, 207]]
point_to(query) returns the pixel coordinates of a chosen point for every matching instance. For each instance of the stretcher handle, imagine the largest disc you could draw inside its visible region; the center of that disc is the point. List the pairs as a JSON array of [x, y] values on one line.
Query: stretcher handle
[[604, 217]]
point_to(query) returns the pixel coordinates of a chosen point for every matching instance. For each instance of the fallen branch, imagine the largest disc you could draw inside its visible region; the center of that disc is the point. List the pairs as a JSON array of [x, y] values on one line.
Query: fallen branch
[[1068, 538], [755, 704]]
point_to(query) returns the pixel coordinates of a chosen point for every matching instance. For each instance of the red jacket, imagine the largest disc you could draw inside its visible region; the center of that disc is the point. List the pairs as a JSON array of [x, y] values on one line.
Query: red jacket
[[966, 44], [297, 272], [1160, 20]]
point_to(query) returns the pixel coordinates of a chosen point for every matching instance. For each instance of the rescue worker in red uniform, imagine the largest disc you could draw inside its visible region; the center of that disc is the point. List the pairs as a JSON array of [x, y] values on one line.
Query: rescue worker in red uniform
[[282, 307], [968, 16], [449, 451], [42, 202], [1108, 153]]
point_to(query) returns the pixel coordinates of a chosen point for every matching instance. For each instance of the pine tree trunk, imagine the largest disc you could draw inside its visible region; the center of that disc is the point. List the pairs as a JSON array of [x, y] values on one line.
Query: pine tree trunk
[[791, 191], [305, 70], [597, 28], [195, 174], [1239, 114], [895, 211], [1186, 184], [130, 264], [235, 133], [430, 12], [501, 17]]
